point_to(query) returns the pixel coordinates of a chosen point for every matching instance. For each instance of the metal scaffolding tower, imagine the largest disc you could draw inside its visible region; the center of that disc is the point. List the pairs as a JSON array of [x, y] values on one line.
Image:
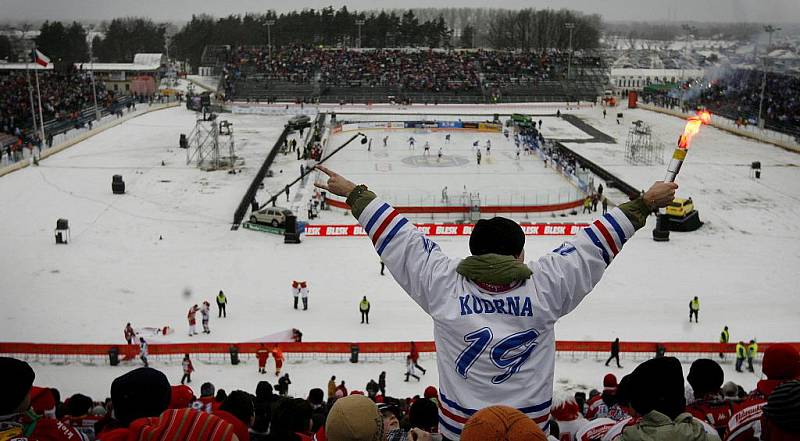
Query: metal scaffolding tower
[[641, 148]]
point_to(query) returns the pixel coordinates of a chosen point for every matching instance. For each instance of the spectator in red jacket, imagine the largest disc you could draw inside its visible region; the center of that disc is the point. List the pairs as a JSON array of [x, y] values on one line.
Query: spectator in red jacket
[[781, 363], [706, 378], [17, 419]]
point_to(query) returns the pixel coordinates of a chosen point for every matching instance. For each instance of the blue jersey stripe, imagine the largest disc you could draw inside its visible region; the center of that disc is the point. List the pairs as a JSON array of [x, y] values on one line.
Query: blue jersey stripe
[[391, 234], [598, 244], [375, 217], [449, 427], [455, 405], [617, 228], [536, 408]]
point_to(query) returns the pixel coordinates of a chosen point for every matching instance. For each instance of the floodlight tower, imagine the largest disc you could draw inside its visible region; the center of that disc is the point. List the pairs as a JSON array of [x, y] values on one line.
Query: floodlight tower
[[770, 30], [569, 25]]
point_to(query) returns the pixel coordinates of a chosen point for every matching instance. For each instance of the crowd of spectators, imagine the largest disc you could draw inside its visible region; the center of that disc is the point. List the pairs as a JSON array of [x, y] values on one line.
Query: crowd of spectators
[[431, 70], [64, 94], [738, 97], [651, 403]]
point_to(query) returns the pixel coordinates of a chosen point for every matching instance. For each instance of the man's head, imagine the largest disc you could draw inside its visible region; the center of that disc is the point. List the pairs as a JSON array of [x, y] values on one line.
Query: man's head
[[501, 423], [389, 414], [705, 377], [207, 390], [143, 392], [497, 235], [657, 384], [16, 378], [424, 414], [240, 404], [354, 418]]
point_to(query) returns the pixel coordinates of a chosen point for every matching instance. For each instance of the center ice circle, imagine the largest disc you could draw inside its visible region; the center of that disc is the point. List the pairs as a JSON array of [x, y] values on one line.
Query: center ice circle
[[434, 161]]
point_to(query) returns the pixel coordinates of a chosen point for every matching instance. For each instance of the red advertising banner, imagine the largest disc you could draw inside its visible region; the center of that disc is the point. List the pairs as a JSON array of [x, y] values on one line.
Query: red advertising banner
[[445, 230], [344, 347]]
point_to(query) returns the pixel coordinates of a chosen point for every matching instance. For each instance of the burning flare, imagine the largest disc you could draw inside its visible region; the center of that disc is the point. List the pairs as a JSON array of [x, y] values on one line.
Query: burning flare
[[692, 127]]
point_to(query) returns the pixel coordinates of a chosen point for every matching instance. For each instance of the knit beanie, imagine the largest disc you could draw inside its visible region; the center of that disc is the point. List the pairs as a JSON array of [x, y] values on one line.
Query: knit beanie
[[142, 392], [16, 379], [181, 396], [182, 424], [781, 362], [354, 418], [565, 410], [43, 402], [783, 406], [610, 384], [501, 423], [705, 376], [658, 385], [430, 392], [497, 235]]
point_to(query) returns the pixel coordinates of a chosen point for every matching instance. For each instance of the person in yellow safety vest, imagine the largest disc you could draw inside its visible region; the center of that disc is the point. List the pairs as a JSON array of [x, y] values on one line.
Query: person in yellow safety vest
[[752, 352], [724, 337], [694, 308], [740, 352], [363, 306], [222, 301]]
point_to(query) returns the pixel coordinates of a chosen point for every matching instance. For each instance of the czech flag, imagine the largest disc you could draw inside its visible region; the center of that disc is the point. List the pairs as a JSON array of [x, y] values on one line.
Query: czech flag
[[40, 58]]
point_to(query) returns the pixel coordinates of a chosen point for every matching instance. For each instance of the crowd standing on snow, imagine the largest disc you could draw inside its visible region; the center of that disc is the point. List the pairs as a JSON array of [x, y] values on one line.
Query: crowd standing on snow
[[651, 403]]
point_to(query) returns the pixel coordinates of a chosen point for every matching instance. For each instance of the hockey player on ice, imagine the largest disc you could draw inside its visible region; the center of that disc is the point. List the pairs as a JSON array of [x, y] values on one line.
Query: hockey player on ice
[[386, 141], [295, 292], [493, 314], [188, 368], [129, 333], [488, 146], [444, 195], [479, 156], [304, 294], [447, 138], [427, 149], [277, 354], [439, 155], [192, 317], [143, 351], [369, 145], [410, 369], [262, 354], [205, 312], [476, 145], [411, 142]]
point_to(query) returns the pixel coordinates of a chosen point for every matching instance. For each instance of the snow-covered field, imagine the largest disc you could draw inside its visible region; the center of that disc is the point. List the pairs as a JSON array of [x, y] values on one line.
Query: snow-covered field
[[147, 256]]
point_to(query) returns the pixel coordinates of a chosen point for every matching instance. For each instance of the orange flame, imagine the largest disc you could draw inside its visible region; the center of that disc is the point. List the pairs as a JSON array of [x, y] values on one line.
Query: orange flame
[[692, 127]]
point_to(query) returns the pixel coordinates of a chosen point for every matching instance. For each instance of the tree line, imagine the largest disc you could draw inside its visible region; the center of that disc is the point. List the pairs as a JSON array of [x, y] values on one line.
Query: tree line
[[120, 39]]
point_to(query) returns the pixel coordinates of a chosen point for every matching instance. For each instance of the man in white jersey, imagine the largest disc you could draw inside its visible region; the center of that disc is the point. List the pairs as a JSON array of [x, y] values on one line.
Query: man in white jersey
[[494, 315]]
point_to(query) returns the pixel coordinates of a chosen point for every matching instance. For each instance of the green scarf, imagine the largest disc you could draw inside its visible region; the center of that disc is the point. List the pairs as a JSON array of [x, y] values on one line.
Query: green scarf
[[493, 268]]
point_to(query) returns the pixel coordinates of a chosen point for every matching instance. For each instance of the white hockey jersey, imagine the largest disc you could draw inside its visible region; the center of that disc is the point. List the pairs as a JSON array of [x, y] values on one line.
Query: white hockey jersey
[[494, 348]]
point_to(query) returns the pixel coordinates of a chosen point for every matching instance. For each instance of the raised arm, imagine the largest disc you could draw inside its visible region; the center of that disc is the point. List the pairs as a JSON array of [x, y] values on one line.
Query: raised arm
[[567, 274], [415, 261]]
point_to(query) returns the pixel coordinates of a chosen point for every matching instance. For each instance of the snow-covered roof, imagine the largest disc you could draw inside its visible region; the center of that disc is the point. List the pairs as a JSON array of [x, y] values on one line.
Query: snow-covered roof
[[141, 63]]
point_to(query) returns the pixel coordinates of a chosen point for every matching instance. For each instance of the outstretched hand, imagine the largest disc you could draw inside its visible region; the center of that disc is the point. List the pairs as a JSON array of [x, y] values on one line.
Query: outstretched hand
[[660, 194], [336, 184]]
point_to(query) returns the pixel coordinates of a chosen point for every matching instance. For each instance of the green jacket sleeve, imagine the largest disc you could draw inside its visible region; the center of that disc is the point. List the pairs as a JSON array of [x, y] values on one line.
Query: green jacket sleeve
[[359, 198], [636, 211]]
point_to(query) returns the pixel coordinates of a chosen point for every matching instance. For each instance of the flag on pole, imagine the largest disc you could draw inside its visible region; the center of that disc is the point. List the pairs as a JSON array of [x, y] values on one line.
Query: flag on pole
[[40, 58]]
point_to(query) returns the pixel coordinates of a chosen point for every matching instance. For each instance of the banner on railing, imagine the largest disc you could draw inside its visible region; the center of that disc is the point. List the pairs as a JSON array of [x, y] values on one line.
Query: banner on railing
[[130, 351], [445, 230]]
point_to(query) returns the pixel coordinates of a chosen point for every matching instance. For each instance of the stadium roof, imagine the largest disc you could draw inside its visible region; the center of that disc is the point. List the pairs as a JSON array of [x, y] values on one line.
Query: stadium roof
[[141, 63]]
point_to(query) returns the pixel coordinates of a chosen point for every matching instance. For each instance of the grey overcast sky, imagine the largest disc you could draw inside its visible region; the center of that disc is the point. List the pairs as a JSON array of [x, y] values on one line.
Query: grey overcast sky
[[778, 11]]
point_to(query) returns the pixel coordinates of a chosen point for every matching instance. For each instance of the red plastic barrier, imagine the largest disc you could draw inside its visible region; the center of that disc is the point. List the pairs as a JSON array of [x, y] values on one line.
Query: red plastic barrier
[[344, 347], [462, 209], [445, 230]]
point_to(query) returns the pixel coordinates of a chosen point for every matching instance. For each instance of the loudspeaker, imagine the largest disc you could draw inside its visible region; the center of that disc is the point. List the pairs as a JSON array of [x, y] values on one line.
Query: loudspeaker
[[354, 353], [113, 356], [183, 142], [234, 351], [62, 224], [117, 184], [290, 226]]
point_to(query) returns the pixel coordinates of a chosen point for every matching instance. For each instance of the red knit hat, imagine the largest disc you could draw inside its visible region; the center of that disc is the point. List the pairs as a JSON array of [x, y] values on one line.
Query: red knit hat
[[565, 410], [43, 402], [610, 384], [501, 423], [182, 424], [781, 362], [430, 392], [181, 397]]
